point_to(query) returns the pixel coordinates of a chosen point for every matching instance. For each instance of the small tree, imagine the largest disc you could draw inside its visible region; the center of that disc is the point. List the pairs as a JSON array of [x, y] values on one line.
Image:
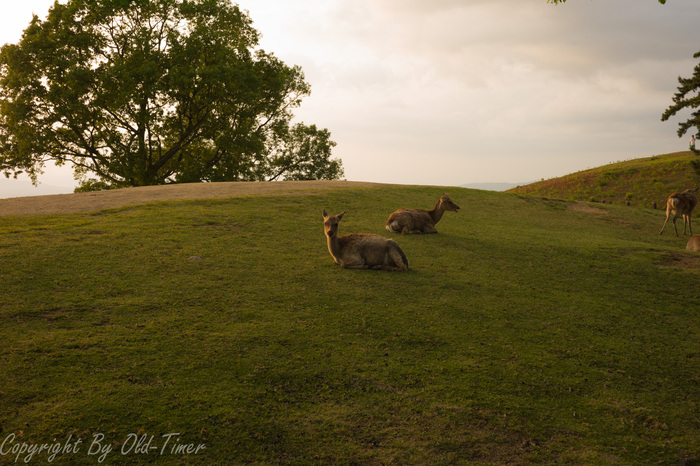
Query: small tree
[[687, 97], [140, 92], [304, 154]]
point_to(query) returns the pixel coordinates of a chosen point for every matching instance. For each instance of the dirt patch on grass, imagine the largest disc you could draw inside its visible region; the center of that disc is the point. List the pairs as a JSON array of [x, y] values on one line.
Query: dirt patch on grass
[[99, 200], [589, 209], [568, 205], [682, 260]]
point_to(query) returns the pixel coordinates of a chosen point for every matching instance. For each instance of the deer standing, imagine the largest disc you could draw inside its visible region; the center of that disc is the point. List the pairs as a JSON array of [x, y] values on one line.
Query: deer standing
[[416, 221], [681, 204], [362, 250]]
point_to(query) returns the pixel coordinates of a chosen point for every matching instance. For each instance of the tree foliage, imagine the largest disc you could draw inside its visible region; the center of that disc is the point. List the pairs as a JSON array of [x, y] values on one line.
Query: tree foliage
[[687, 97], [143, 92]]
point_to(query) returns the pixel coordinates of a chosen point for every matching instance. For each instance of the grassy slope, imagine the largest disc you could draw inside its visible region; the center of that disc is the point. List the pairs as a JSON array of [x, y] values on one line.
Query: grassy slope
[[640, 181], [525, 332]]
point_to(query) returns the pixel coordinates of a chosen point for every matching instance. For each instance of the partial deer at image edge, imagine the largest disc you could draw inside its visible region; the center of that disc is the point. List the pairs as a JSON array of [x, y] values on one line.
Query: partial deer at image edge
[[681, 204]]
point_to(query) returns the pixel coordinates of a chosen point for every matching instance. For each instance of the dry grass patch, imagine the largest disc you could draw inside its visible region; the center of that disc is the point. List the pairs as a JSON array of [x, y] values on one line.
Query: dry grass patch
[[680, 260], [586, 208]]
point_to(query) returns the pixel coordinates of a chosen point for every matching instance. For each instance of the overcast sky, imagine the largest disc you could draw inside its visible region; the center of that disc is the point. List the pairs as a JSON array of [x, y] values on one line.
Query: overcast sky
[[448, 92]]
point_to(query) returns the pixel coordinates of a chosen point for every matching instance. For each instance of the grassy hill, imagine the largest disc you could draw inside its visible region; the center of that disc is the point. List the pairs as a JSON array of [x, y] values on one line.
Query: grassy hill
[[641, 182], [526, 331]]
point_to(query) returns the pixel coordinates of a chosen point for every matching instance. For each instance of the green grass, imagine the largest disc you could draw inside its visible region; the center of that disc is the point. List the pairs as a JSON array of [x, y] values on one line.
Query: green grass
[[639, 182], [524, 332]]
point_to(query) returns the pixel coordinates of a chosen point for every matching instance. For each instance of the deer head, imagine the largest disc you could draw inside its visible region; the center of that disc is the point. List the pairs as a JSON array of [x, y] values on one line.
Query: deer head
[[447, 204], [330, 223]]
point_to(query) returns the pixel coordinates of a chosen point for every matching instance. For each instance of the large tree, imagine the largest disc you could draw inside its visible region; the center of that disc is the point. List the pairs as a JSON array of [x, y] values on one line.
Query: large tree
[[687, 97], [143, 92]]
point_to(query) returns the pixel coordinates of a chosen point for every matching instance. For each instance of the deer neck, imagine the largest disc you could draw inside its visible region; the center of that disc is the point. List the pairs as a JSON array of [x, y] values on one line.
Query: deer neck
[[436, 213], [334, 246]]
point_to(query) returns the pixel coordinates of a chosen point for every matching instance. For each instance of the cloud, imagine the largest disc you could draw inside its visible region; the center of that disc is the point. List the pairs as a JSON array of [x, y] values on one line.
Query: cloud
[[482, 76], [454, 91]]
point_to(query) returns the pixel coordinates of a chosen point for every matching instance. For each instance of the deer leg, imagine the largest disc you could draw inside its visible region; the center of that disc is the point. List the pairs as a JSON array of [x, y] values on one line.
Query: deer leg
[[407, 231], [674, 223], [353, 266], [358, 264], [665, 222], [386, 267]]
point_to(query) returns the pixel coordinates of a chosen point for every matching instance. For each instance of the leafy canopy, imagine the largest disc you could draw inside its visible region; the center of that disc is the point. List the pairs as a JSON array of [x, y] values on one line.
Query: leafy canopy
[[687, 97], [143, 92]]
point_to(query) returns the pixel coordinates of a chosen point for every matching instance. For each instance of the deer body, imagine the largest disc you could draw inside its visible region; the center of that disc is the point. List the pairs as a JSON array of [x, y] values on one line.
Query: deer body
[[681, 204], [417, 221], [362, 250], [693, 243]]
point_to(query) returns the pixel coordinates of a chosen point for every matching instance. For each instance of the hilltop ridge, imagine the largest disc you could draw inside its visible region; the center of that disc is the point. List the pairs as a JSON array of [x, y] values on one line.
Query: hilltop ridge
[[114, 198], [638, 182]]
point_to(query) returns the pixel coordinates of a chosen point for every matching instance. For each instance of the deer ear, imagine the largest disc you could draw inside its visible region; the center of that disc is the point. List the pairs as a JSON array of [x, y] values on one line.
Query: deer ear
[[340, 215], [324, 213]]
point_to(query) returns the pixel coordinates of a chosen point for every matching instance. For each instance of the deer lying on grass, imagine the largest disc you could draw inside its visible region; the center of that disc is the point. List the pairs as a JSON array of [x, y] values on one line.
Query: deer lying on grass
[[693, 243], [416, 221], [362, 250], [681, 204]]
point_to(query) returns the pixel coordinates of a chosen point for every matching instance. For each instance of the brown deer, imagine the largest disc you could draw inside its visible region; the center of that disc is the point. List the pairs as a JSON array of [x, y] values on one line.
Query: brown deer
[[693, 243], [681, 204], [362, 250], [416, 221]]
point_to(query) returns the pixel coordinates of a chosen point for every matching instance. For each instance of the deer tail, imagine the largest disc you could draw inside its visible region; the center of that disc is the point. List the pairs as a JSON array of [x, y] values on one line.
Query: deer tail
[[397, 255]]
